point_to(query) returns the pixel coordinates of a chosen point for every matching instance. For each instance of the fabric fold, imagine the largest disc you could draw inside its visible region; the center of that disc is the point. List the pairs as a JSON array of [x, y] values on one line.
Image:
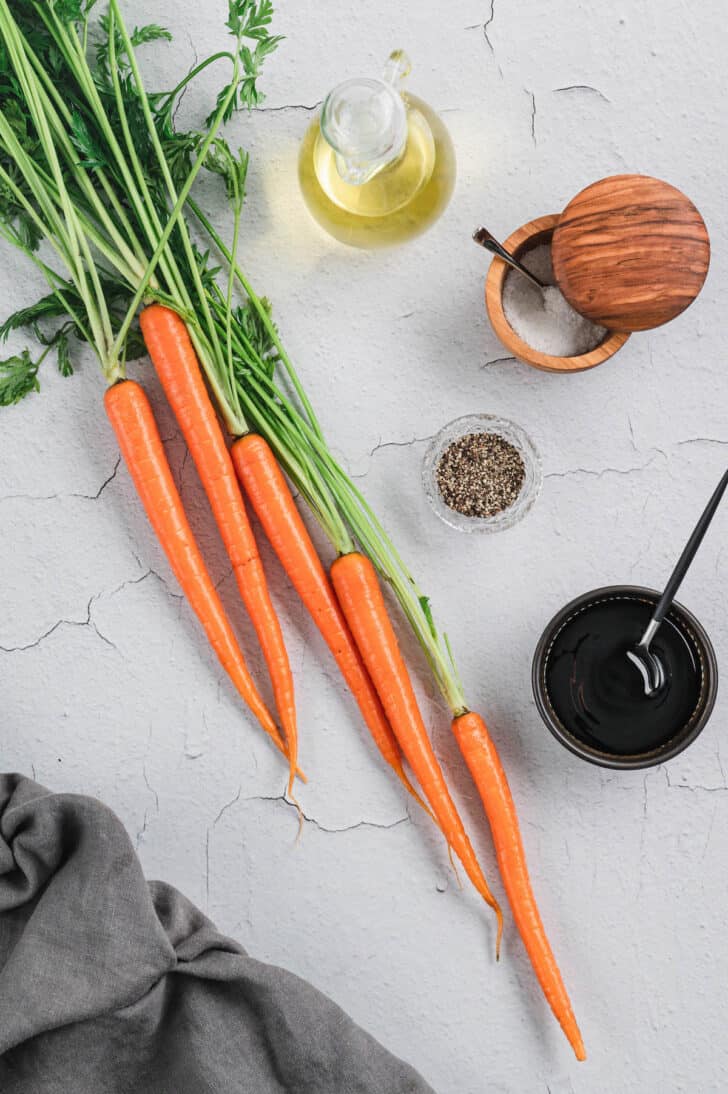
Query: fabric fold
[[111, 985]]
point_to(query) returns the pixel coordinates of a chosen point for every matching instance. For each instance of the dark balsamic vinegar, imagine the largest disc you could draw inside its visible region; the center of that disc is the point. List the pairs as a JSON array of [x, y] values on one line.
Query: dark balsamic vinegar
[[597, 693]]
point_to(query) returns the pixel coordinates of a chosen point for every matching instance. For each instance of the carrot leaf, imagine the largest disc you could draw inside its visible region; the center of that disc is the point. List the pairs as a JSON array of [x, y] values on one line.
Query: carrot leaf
[[18, 377], [70, 11], [48, 307], [247, 19], [150, 33], [232, 168], [65, 366], [84, 143]]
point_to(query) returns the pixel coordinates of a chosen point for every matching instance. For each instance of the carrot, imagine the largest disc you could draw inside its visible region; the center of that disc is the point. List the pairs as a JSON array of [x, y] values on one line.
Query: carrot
[[175, 361], [268, 492], [485, 766], [141, 446], [360, 597]]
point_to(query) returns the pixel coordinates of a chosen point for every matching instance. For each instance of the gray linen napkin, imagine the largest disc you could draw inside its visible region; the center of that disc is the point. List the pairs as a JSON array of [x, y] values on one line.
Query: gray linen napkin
[[110, 985]]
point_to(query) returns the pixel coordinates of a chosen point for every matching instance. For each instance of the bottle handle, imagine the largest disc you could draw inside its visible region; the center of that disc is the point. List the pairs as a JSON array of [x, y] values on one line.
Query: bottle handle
[[397, 68]]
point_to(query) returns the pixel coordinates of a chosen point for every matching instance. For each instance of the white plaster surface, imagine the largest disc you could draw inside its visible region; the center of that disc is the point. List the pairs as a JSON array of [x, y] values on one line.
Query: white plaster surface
[[107, 687]]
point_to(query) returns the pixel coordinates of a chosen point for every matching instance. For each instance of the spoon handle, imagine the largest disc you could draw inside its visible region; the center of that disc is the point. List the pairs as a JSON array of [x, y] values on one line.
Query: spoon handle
[[688, 554], [487, 240]]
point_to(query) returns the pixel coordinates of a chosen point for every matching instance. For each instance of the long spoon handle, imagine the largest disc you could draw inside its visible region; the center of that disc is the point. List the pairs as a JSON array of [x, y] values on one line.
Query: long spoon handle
[[688, 554], [487, 240]]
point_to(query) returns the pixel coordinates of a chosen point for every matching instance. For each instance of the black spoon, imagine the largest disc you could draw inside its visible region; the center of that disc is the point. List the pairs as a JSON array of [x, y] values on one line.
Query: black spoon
[[648, 664], [487, 239]]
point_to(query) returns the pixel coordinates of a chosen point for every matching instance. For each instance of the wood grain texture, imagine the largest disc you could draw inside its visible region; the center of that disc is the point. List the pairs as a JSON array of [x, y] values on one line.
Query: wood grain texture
[[630, 252], [524, 239]]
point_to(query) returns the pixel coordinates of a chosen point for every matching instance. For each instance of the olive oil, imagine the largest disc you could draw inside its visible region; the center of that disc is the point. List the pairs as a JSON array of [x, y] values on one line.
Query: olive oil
[[378, 166]]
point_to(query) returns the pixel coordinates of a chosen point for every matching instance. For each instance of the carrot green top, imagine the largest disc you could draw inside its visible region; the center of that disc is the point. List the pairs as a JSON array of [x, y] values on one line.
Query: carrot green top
[[92, 165]]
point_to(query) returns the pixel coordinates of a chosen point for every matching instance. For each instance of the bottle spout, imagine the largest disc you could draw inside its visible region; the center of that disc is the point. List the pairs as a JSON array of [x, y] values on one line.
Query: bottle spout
[[365, 122]]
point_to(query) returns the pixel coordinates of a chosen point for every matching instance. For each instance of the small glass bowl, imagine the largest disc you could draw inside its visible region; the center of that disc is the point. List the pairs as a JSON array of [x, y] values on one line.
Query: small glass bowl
[[509, 431]]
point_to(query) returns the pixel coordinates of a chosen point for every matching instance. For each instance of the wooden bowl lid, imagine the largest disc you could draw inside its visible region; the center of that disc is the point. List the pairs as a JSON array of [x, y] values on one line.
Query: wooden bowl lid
[[630, 252]]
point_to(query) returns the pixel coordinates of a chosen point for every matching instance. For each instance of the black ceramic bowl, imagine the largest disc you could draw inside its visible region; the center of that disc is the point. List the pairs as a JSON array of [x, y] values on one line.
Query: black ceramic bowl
[[683, 735]]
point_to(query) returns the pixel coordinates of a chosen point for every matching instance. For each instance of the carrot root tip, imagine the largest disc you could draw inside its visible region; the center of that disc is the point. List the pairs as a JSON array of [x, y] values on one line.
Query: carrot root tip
[[293, 800]]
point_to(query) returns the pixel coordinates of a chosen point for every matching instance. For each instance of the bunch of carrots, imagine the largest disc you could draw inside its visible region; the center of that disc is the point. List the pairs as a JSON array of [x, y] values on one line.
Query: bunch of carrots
[[95, 190]]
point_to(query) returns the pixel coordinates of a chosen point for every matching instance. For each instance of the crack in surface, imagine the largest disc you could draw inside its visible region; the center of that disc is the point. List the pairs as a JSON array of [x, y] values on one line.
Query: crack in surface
[[533, 114], [306, 818], [484, 28], [497, 361], [364, 823], [698, 786], [62, 497], [208, 834], [183, 464], [175, 435], [399, 444], [695, 786], [228, 805], [391, 444], [89, 620], [288, 106], [150, 572], [132, 580], [142, 831], [104, 639], [702, 440], [149, 786], [104, 484], [562, 1087], [649, 353], [195, 62], [46, 634], [583, 87], [488, 22], [598, 474]]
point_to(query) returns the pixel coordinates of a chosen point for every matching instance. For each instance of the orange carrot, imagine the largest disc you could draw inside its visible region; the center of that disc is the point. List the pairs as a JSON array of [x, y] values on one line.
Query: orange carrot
[[361, 600], [485, 766], [271, 498], [175, 361], [133, 422]]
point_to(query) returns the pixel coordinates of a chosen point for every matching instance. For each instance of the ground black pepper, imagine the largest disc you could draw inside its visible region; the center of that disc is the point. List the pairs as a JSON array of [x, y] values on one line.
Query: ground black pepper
[[480, 474]]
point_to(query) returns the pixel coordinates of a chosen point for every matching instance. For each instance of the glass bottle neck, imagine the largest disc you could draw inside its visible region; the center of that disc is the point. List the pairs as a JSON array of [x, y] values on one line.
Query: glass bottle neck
[[365, 123]]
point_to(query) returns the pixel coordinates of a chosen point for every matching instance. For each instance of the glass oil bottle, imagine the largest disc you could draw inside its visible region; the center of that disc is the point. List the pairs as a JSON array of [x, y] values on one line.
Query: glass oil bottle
[[378, 166]]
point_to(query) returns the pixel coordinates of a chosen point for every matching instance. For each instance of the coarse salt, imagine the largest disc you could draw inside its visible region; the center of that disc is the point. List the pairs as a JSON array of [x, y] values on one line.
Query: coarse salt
[[543, 317]]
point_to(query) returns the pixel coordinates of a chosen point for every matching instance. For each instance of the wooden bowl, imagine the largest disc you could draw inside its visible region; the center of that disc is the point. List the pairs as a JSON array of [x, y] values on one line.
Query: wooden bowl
[[524, 239]]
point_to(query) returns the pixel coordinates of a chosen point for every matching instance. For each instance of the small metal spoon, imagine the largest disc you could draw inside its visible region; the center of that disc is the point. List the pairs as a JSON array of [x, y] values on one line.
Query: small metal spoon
[[648, 664], [485, 239]]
